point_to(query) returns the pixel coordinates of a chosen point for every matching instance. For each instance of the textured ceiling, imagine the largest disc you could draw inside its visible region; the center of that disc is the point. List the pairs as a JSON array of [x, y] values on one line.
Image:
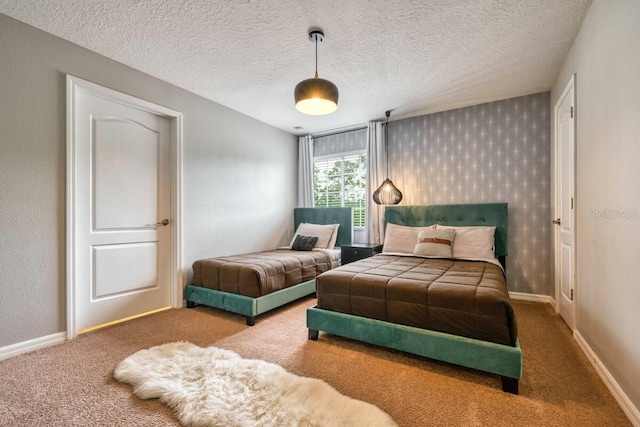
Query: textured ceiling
[[409, 56]]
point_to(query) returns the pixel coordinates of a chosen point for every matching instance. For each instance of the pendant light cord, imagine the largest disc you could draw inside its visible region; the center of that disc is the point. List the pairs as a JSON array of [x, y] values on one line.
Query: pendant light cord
[[386, 141], [316, 37]]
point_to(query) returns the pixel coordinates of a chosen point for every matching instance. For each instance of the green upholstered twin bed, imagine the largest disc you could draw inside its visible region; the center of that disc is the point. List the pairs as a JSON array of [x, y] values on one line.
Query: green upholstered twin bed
[[453, 310], [252, 284]]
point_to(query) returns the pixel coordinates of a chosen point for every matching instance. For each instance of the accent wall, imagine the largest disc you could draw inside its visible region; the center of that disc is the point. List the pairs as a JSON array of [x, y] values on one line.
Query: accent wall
[[494, 152]]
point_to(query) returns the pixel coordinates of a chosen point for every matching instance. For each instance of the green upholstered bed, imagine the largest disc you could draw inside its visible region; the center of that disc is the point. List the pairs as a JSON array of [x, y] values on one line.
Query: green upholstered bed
[[250, 307], [504, 360]]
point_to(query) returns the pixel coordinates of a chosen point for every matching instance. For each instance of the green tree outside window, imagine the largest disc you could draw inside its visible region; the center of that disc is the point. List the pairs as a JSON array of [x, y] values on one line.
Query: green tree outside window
[[340, 182]]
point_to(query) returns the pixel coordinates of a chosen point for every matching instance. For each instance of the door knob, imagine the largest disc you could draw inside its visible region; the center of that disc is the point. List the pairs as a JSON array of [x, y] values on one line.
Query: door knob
[[556, 221], [163, 222]]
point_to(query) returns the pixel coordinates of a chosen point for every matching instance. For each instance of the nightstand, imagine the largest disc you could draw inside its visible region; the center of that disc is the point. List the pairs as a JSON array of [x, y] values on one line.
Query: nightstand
[[356, 251]]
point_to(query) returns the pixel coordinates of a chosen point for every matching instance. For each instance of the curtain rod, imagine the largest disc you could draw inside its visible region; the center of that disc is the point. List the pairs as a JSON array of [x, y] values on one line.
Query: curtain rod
[[338, 132]]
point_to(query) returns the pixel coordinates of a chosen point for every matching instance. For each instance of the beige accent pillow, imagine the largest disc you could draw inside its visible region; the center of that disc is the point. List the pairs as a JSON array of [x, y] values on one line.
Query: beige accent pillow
[[324, 233], [435, 243], [400, 239], [472, 242]]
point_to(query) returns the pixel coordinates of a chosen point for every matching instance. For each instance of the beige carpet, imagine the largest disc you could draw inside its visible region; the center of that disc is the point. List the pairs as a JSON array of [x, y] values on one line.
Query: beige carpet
[[72, 384]]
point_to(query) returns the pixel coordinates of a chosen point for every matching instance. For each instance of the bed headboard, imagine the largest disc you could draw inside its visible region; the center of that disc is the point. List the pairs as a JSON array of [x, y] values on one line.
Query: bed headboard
[[487, 214], [342, 216]]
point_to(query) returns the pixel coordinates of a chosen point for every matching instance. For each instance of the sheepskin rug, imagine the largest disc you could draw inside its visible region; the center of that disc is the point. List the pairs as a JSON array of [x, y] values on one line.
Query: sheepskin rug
[[216, 387]]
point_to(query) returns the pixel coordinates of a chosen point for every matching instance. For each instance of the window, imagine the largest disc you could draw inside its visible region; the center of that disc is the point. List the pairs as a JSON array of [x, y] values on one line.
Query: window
[[339, 181]]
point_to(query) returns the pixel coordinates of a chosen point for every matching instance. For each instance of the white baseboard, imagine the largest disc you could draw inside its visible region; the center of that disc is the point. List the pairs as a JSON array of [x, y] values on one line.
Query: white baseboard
[[531, 297], [31, 345], [623, 400]]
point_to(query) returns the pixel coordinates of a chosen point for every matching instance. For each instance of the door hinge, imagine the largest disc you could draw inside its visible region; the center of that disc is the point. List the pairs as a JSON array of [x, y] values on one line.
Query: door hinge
[[572, 203], [572, 112], [571, 294]]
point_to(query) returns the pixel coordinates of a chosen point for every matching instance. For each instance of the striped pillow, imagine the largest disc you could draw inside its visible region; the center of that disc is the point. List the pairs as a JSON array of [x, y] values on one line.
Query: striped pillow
[[435, 243], [304, 243]]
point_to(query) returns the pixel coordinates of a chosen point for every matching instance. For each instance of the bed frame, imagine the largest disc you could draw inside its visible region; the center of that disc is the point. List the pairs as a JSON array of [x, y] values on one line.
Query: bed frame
[[251, 307], [503, 360]]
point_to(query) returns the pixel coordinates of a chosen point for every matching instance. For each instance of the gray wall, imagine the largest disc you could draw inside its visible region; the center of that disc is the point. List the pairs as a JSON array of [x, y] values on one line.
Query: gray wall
[[240, 175], [606, 59], [494, 152]]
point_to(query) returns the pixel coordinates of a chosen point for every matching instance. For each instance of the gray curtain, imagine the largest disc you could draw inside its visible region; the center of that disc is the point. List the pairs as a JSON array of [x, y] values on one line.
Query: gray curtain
[[376, 167], [305, 171]]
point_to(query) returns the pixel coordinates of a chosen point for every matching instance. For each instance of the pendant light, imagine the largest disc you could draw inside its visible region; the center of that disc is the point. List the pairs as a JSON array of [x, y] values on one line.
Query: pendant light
[[387, 193], [316, 96]]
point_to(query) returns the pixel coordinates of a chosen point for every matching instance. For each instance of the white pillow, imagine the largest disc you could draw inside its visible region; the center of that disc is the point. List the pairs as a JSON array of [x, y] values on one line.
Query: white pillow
[[324, 233], [334, 237], [472, 242], [400, 239]]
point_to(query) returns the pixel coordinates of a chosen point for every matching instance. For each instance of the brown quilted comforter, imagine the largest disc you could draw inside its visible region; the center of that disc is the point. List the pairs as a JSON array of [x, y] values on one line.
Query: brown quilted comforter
[[466, 298], [260, 273]]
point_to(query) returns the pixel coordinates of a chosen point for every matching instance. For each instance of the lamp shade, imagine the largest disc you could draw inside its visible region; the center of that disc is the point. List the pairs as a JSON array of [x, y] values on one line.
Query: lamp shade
[[316, 96], [387, 194]]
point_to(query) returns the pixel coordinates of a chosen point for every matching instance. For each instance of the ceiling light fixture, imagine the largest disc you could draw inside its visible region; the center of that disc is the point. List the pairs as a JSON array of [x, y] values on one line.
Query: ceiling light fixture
[[387, 193], [316, 96]]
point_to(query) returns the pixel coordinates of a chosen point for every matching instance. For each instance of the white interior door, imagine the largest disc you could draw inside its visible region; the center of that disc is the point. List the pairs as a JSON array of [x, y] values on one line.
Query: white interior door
[[564, 206], [122, 196]]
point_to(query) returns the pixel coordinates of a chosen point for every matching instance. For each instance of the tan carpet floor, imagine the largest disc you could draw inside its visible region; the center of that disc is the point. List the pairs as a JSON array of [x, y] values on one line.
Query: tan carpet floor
[[72, 385]]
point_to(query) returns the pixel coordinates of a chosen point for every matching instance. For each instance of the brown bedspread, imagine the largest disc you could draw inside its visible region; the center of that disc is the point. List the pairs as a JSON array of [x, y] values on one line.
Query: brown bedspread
[[260, 273], [466, 298]]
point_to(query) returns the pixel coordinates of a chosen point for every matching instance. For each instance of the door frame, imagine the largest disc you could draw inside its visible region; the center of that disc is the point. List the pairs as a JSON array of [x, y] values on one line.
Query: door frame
[[74, 85], [571, 84]]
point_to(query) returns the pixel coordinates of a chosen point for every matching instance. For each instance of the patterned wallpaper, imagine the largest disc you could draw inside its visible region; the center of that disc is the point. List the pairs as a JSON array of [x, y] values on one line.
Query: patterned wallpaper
[[344, 142], [495, 152]]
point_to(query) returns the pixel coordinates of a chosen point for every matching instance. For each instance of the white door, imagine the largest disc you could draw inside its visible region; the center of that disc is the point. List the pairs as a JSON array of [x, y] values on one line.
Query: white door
[[122, 196], [565, 203]]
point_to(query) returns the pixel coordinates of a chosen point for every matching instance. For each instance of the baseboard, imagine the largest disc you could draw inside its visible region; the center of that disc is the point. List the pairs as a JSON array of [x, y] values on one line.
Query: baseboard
[[31, 345], [623, 400], [519, 296]]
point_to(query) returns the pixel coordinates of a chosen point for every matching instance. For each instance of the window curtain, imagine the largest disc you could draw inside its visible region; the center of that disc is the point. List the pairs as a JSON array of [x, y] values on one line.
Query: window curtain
[[305, 171], [376, 162]]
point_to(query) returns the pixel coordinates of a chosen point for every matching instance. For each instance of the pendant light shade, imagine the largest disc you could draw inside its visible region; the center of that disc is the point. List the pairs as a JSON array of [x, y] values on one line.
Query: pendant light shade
[[387, 193], [316, 96]]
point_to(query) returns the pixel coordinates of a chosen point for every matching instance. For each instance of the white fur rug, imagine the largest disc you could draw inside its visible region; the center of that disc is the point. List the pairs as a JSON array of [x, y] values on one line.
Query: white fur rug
[[216, 387]]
